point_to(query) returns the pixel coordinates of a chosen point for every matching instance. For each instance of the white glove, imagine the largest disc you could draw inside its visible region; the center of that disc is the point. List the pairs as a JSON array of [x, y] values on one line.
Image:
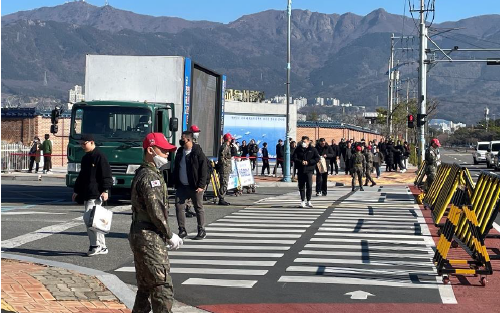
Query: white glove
[[175, 242]]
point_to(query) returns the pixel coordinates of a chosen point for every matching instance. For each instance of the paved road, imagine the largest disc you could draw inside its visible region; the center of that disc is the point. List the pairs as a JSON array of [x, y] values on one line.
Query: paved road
[[374, 243]]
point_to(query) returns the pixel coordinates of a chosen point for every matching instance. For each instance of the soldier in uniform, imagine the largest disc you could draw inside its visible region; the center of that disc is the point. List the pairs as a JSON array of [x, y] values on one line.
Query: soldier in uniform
[[432, 161], [358, 164], [149, 233], [224, 164], [369, 166]]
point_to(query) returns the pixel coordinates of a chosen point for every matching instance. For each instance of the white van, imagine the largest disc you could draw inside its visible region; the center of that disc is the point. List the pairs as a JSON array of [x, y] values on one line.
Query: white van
[[492, 151], [480, 154]]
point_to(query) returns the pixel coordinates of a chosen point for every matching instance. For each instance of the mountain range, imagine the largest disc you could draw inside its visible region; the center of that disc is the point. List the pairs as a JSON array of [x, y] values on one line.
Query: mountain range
[[342, 56]]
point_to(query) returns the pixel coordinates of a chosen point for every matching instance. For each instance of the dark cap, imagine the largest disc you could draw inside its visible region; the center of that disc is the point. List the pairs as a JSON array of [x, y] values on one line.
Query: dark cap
[[87, 137]]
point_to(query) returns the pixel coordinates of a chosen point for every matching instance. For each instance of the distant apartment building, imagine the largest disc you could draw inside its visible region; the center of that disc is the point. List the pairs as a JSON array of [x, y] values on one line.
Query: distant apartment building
[[445, 126], [332, 101], [319, 101], [280, 99], [300, 102], [75, 95]]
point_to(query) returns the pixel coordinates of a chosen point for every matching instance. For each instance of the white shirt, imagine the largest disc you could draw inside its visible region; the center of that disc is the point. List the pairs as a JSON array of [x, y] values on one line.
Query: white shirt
[[183, 169]]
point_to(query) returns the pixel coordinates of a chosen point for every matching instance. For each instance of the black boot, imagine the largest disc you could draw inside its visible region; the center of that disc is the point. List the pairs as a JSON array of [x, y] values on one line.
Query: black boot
[[366, 184], [361, 188], [182, 233], [190, 213], [353, 189], [374, 184], [201, 234], [223, 202]]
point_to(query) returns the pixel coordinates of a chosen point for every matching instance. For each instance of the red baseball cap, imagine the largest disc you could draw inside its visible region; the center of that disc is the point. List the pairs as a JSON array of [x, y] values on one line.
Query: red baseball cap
[[359, 148], [194, 129], [159, 140], [228, 136], [436, 141]]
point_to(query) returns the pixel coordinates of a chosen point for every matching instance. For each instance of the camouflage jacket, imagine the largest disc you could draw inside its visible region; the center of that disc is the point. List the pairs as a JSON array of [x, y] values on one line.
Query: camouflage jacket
[[150, 198], [358, 161], [431, 157], [224, 161], [369, 159]]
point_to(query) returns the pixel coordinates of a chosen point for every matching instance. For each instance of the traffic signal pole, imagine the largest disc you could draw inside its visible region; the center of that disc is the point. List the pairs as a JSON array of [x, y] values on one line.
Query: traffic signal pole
[[422, 82], [286, 170]]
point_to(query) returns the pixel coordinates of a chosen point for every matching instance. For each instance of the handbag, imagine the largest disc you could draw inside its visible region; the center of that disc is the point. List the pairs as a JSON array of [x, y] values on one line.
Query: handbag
[[100, 219], [322, 168]]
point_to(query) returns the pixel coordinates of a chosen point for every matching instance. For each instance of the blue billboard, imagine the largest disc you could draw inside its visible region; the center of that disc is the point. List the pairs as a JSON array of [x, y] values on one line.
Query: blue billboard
[[261, 128]]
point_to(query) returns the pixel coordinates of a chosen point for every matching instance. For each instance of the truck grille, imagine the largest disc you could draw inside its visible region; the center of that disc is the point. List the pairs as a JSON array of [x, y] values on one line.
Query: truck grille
[[118, 168]]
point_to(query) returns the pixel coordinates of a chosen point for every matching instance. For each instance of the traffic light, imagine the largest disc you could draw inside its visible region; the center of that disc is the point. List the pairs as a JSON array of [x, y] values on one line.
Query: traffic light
[[421, 119], [411, 119], [54, 129], [54, 118]]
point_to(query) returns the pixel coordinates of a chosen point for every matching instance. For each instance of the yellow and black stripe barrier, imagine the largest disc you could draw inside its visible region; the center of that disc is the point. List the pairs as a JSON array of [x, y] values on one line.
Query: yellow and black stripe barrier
[[479, 264], [420, 174], [432, 193], [214, 180], [484, 203], [446, 193]]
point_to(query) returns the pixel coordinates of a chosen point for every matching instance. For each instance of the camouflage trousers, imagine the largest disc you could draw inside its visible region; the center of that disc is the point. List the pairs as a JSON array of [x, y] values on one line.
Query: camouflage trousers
[[430, 172], [223, 180], [368, 174], [152, 271], [357, 174]]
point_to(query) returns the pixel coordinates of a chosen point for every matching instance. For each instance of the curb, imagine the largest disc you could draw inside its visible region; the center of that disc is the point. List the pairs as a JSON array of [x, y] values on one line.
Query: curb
[[32, 177], [112, 282]]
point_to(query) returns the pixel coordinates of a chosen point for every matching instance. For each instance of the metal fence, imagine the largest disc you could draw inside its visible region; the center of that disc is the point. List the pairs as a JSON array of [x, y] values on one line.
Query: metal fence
[[15, 157]]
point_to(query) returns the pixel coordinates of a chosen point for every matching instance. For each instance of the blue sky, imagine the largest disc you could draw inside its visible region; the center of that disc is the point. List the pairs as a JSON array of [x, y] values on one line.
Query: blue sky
[[229, 10]]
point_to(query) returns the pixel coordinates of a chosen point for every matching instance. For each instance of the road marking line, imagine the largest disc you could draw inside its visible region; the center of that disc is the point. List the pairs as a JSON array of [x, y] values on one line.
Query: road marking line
[[254, 235], [220, 282], [445, 292], [370, 248], [49, 230], [496, 226], [251, 241], [224, 247], [256, 220], [374, 241], [205, 271], [32, 213], [226, 229], [357, 281], [226, 254], [223, 262], [260, 225], [427, 264], [418, 238], [367, 253], [365, 230], [355, 270], [292, 219], [305, 217]]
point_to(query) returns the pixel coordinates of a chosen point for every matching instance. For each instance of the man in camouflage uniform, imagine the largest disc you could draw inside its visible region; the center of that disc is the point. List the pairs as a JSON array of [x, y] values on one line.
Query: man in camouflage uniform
[[149, 233], [432, 160], [369, 165], [224, 164], [358, 164]]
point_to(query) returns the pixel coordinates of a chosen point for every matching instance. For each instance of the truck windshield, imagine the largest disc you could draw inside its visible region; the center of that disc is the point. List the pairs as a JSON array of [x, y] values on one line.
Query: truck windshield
[[482, 147], [111, 123], [495, 147]]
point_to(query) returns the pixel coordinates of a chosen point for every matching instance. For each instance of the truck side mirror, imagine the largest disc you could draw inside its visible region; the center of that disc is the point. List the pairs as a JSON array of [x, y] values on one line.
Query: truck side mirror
[[489, 150], [173, 125]]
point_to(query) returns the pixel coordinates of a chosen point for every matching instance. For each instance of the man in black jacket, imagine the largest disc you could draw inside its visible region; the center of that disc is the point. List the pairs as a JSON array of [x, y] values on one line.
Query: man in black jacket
[[348, 156], [305, 157], [91, 188], [190, 178], [335, 158], [325, 151], [280, 158]]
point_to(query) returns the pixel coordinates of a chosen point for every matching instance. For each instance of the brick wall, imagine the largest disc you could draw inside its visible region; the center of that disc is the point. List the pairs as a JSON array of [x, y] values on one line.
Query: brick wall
[[25, 129], [334, 133]]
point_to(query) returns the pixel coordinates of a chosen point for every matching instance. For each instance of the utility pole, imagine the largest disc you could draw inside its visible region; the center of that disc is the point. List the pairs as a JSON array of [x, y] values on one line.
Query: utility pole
[[390, 88], [422, 82], [407, 102], [286, 170]]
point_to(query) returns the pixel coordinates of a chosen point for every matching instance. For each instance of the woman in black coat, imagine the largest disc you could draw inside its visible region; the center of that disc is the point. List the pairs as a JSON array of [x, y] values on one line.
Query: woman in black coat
[[390, 152]]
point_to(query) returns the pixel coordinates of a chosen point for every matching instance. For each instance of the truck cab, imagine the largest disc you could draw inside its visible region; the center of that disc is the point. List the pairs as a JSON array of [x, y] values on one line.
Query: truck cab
[[479, 155], [118, 129], [491, 152]]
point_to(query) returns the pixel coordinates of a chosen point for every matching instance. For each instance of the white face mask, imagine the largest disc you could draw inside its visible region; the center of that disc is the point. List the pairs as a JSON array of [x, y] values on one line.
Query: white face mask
[[304, 145], [159, 161]]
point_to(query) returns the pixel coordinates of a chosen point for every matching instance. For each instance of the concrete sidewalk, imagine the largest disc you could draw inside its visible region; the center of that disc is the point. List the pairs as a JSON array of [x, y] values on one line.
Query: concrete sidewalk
[[58, 174]]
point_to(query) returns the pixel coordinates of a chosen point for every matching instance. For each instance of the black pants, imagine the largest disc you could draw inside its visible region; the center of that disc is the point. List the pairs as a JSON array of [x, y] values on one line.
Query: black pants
[[265, 164], [253, 160], [305, 185], [322, 183], [278, 163], [333, 162], [347, 166], [32, 162], [47, 163]]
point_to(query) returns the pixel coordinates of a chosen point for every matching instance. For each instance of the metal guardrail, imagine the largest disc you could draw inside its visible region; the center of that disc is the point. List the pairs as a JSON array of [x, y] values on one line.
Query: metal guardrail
[[14, 157]]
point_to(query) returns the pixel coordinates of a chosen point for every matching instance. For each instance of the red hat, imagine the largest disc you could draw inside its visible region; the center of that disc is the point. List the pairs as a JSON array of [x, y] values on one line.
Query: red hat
[[359, 148], [194, 129], [159, 140], [228, 137], [436, 141]]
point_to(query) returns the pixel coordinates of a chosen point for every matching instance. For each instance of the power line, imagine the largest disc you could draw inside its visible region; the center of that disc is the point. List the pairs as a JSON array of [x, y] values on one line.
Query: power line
[[460, 77]]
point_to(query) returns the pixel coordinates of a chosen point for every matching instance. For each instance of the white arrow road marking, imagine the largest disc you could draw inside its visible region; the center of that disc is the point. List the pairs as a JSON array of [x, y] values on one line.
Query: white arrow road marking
[[359, 295]]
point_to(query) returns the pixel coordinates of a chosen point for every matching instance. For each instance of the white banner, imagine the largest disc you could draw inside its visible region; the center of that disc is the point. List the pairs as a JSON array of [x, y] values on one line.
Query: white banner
[[245, 173], [233, 177]]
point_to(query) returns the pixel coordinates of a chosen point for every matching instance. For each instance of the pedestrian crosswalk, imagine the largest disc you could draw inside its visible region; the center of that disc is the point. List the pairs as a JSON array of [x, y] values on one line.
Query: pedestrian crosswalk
[[373, 238]]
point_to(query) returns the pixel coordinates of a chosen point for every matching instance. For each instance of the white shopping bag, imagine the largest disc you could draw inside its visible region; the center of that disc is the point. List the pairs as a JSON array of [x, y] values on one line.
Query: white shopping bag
[[322, 168], [100, 219]]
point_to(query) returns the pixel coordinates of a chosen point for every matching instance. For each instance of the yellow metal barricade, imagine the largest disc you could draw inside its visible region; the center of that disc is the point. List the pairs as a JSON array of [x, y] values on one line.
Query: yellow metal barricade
[[214, 180], [432, 193], [479, 264], [420, 174], [445, 193]]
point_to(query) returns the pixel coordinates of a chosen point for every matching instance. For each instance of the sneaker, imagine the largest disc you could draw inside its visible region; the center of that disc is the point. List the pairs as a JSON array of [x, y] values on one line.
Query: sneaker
[[223, 202], [373, 184], [44, 172], [403, 171], [97, 251], [309, 204], [353, 189], [50, 172], [201, 234], [318, 194], [182, 233], [323, 194], [361, 189], [303, 204]]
